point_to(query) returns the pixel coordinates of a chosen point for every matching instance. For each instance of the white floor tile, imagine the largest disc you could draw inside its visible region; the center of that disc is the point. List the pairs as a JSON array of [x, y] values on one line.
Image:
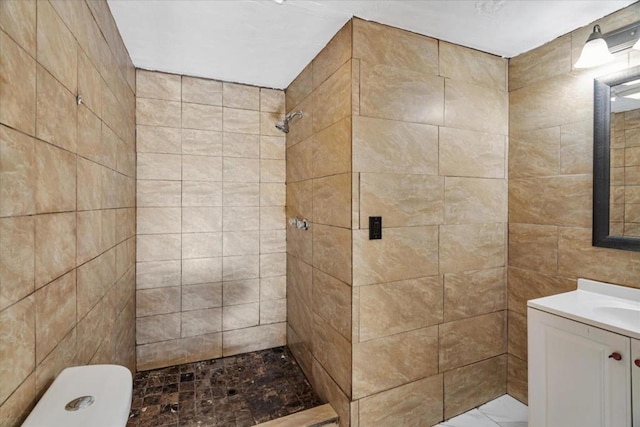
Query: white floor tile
[[473, 418], [506, 409]]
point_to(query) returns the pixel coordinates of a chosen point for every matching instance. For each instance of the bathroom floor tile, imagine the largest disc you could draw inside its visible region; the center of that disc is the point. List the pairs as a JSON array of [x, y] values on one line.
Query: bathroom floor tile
[[241, 390], [505, 409]]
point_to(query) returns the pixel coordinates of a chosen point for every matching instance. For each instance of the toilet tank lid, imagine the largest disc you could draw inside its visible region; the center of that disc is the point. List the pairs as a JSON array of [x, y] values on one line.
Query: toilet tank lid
[[109, 385]]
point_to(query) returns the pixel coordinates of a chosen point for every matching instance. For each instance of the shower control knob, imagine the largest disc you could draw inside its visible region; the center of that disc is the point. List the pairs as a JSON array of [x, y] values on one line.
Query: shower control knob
[[637, 362], [615, 356]]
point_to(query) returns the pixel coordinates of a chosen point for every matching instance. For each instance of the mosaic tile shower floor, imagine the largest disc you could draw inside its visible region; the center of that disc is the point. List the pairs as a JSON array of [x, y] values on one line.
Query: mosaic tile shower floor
[[234, 391]]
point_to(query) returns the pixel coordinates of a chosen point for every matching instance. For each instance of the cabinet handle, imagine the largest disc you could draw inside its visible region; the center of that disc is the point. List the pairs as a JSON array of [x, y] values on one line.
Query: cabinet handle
[[637, 362], [615, 356]]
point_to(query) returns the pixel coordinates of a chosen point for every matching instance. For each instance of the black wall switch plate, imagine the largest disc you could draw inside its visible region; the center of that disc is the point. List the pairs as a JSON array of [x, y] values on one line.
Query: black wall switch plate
[[375, 227]]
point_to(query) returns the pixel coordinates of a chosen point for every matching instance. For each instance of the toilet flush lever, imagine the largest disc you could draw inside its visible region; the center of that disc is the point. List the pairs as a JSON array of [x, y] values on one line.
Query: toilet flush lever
[[615, 356], [80, 403]]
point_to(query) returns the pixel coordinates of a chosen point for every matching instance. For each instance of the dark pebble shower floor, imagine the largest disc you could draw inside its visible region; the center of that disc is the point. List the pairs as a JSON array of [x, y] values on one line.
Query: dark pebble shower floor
[[237, 391]]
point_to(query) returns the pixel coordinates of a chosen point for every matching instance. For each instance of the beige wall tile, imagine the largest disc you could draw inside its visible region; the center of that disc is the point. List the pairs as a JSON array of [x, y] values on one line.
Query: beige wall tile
[[576, 153], [416, 403], [241, 121], [150, 302], [381, 44], [89, 81], [241, 267], [241, 194], [155, 112], [332, 99], [201, 168], [240, 96], [202, 142], [204, 295], [161, 327], [241, 218], [241, 170], [402, 200], [385, 93], [241, 242], [63, 355], [201, 245], [240, 316], [241, 292], [272, 100], [334, 54], [55, 313], [533, 247], [273, 288], [332, 302], [94, 279], [386, 146], [204, 117], [332, 251], [158, 274], [56, 47], [396, 307], [18, 111], [158, 220], [332, 200], [300, 128], [201, 322], [273, 264], [329, 391], [468, 106], [470, 340], [472, 66], [156, 139], [272, 147], [407, 357], [201, 220], [403, 253], [17, 258], [273, 311], [56, 112], [475, 200], [300, 87], [152, 84], [245, 340], [158, 247], [159, 166], [201, 193], [155, 193], [201, 270], [241, 145], [517, 339], [17, 346], [273, 194], [17, 173], [18, 19], [272, 218], [472, 293], [542, 63], [299, 161], [470, 153], [331, 149], [517, 378], [175, 352], [96, 233], [534, 153], [470, 386], [272, 170], [55, 179], [201, 91], [472, 247], [562, 200], [55, 250], [333, 351], [525, 285]]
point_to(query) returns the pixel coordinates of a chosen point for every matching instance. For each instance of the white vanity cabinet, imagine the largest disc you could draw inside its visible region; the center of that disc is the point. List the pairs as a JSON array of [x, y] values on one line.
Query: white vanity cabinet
[[584, 357], [575, 379]]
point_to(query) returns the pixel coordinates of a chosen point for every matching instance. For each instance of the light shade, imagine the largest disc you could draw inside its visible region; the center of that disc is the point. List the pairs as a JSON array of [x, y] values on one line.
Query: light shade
[[595, 51]]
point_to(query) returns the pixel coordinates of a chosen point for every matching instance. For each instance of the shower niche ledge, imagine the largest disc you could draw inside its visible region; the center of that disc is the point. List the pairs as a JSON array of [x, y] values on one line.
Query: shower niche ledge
[[584, 357]]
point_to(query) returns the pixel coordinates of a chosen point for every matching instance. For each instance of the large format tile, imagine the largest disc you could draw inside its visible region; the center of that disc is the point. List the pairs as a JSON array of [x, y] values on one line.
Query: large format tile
[[18, 173], [17, 255], [474, 200], [472, 66], [470, 153], [472, 247], [471, 293], [334, 54], [468, 106]]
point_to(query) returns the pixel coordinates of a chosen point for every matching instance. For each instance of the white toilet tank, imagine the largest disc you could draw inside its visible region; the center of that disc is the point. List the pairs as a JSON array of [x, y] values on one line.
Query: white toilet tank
[[83, 396]]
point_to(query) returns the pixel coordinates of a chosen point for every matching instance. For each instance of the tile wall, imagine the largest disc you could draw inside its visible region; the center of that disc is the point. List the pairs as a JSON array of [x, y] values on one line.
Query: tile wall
[[625, 187], [409, 329], [67, 196], [211, 260], [550, 182]]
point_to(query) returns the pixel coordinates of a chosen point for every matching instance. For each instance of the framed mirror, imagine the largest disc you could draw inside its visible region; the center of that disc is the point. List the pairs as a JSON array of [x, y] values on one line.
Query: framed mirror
[[616, 160]]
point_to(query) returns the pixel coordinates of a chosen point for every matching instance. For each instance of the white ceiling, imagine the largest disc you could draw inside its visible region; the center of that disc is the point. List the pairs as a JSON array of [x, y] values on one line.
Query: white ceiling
[[264, 43]]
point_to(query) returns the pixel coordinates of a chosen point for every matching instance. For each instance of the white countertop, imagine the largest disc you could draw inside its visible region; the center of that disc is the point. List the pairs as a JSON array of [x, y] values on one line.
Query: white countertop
[[603, 305]]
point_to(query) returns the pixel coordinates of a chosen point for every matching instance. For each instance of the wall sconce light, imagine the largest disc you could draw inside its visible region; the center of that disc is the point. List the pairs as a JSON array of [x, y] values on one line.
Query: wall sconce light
[[599, 48]]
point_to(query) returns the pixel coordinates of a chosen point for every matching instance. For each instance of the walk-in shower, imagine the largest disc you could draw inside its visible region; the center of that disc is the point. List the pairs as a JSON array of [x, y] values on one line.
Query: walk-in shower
[[283, 125]]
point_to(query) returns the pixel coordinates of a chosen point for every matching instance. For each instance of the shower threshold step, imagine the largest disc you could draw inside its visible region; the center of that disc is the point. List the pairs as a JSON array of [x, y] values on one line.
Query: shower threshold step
[[320, 416]]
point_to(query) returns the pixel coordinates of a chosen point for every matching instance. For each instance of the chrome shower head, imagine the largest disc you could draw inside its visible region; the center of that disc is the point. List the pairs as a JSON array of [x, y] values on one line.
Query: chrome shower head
[[283, 125]]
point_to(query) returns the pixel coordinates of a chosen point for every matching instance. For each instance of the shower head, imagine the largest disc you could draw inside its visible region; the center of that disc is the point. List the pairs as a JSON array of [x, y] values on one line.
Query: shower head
[[283, 125]]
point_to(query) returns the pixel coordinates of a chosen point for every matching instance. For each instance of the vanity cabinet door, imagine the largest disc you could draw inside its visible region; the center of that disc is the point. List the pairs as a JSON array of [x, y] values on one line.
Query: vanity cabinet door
[[575, 377], [635, 379]]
